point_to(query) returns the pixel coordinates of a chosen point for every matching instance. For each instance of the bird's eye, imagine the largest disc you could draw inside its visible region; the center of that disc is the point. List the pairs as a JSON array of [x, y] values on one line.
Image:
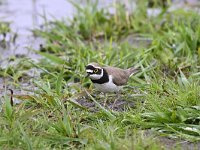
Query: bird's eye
[[95, 70]]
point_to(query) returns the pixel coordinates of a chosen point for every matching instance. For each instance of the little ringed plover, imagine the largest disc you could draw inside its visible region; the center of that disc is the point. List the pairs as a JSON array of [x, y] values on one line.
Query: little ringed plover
[[108, 79]]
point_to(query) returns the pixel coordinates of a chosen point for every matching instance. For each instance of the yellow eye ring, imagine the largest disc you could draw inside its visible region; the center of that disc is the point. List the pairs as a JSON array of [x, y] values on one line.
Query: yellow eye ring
[[95, 70]]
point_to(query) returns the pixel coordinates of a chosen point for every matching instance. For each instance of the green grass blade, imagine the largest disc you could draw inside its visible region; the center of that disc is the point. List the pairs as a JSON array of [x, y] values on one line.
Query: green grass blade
[[52, 58], [25, 136], [59, 82]]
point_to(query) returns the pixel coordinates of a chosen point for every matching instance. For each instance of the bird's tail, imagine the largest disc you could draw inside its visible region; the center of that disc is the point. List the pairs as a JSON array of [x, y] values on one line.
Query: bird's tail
[[133, 70]]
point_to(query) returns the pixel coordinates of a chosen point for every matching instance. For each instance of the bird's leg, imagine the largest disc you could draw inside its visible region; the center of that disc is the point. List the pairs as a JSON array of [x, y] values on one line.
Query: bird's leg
[[105, 99], [118, 97]]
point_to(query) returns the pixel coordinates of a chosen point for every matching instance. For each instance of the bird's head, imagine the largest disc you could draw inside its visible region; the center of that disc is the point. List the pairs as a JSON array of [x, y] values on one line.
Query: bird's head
[[94, 71]]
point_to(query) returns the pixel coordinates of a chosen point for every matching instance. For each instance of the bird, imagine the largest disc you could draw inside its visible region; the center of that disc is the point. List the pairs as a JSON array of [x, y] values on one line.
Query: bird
[[109, 79]]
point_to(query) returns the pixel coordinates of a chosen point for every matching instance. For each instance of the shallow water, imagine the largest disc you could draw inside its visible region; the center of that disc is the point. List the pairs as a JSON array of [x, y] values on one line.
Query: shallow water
[[25, 15]]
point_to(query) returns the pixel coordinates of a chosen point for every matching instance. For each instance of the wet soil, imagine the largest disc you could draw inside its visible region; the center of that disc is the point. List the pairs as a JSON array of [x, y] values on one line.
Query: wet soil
[[119, 105], [178, 144]]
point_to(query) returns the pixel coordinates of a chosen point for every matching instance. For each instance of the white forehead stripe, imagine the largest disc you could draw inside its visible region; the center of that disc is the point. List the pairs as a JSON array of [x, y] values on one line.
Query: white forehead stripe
[[94, 66], [89, 70]]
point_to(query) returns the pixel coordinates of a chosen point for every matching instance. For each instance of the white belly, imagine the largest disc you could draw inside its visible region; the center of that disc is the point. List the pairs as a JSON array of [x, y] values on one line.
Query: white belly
[[107, 87]]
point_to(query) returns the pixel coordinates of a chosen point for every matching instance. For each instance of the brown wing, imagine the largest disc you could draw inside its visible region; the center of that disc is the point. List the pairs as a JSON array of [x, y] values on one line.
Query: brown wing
[[120, 76]]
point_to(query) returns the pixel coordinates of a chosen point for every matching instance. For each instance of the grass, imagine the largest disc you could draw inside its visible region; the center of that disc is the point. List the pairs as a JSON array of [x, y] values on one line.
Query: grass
[[5, 31], [7, 36], [52, 114], [4, 28]]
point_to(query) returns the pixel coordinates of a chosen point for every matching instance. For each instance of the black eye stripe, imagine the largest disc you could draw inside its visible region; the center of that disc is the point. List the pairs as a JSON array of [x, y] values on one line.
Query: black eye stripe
[[95, 70], [90, 67]]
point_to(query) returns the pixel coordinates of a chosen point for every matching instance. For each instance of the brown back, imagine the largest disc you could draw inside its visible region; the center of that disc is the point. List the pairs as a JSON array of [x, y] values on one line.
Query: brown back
[[120, 76]]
